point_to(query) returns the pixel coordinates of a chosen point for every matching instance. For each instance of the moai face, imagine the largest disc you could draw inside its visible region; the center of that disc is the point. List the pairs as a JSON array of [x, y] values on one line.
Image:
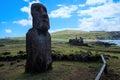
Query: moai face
[[40, 17]]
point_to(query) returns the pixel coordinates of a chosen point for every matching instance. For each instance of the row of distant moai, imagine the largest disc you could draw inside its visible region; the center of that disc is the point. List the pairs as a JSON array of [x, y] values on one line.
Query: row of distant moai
[[77, 41], [38, 41]]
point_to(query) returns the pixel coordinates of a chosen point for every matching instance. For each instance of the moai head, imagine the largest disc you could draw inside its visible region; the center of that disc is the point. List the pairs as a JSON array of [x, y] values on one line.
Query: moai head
[[40, 17]]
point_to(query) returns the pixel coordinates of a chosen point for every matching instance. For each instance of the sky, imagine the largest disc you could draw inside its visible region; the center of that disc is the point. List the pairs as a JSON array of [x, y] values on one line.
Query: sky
[[86, 15]]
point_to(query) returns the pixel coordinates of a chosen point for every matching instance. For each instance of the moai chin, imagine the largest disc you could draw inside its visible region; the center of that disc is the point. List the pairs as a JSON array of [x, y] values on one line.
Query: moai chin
[[38, 41]]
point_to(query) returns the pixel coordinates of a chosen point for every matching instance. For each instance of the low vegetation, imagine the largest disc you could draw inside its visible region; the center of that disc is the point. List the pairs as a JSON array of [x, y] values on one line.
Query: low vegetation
[[62, 70], [71, 34]]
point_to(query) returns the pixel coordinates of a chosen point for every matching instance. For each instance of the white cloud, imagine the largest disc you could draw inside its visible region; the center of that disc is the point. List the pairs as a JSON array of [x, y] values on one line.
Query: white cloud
[[63, 11], [81, 5], [98, 17], [91, 24], [106, 10], [92, 2], [104, 17], [8, 30], [24, 22], [26, 9], [26, 0]]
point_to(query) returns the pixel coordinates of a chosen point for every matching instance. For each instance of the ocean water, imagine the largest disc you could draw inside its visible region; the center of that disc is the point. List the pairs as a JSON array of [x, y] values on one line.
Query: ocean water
[[117, 42]]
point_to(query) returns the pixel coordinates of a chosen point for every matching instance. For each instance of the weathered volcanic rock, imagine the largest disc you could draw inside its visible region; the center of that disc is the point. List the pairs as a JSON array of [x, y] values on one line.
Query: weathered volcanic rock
[[38, 41]]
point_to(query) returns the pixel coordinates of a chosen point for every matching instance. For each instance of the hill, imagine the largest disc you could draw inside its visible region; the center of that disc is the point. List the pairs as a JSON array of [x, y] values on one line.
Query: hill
[[62, 70], [69, 34], [114, 34]]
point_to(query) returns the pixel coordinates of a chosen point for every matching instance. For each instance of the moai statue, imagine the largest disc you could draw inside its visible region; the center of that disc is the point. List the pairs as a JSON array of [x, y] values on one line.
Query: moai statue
[[38, 41], [81, 40]]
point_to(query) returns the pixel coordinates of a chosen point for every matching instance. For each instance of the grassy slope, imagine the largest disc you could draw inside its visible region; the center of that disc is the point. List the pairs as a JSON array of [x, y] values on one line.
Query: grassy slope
[[70, 34], [62, 70], [15, 44]]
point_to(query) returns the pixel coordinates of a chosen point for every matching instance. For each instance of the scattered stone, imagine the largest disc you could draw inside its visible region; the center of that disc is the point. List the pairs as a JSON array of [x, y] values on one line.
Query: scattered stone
[[1, 64], [21, 52], [6, 53], [107, 58], [20, 65], [115, 57], [12, 58], [12, 63], [107, 55], [18, 60], [2, 45], [86, 57]]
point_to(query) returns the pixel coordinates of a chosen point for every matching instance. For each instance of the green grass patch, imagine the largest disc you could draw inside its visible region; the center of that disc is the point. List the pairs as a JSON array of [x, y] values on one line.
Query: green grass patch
[[62, 70]]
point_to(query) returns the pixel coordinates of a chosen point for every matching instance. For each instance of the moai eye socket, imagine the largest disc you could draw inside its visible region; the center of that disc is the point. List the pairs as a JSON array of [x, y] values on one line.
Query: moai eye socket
[[37, 8]]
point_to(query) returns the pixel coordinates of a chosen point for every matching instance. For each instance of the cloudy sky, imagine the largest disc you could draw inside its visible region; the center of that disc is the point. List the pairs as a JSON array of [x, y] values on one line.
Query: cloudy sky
[[86, 15]]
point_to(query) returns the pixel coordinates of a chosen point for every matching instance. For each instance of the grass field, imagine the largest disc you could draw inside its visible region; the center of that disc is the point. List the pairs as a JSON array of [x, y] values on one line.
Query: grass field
[[62, 70], [70, 34]]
